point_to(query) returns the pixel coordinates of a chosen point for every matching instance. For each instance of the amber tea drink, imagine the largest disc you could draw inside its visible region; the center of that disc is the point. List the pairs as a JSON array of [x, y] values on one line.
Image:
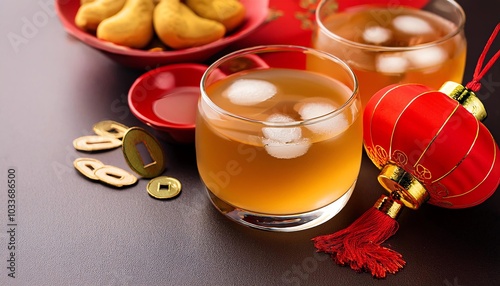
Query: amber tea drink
[[409, 41], [278, 136]]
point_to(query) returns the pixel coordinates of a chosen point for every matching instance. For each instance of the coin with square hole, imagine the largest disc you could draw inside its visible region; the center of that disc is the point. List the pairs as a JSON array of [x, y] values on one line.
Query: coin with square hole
[[110, 128], [87, 167], [96, 143], [143, 152], [115, 176], [164, 187]]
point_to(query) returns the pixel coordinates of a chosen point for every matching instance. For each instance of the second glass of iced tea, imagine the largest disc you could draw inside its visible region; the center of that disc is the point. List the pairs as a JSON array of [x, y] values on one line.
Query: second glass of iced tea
[[389, 42], [279, 136]]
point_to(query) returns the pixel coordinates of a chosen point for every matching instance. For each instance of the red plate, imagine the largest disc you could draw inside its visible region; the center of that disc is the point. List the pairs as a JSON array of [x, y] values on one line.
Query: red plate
[[166, 99]]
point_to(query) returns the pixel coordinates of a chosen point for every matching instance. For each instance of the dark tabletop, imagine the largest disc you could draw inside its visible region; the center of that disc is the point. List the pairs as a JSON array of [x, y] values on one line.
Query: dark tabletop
[[71, 231]]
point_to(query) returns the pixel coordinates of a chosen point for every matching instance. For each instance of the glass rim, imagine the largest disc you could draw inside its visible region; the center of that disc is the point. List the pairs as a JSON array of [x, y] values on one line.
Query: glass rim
[[279, 48], [459, 28]]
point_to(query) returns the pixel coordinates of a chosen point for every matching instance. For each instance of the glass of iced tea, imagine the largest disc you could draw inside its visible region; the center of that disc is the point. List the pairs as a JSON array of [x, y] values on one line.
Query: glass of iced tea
[[279, 136], [387, 42]]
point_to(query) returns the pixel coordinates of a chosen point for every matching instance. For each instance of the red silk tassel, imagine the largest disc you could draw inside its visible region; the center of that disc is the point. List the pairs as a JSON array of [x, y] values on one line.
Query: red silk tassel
[[359, 245]]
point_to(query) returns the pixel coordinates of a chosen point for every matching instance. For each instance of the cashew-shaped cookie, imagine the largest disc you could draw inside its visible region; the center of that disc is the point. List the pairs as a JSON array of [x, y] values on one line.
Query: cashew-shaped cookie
[[179, 27], [131, 27], [230, 13], [92, 13]]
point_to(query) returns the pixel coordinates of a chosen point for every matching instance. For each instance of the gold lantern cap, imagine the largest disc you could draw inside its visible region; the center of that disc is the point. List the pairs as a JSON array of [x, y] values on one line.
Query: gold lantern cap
[[403, 186], [466, 97]]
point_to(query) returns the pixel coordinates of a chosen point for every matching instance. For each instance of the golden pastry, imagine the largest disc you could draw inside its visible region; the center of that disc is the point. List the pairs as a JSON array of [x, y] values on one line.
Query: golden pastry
[[230, 13], [179, 27], [131, 27], [92, 13]]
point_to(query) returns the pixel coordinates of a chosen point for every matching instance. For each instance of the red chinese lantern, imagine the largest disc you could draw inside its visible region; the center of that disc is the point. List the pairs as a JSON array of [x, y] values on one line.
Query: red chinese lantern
[[431, 148], [448, 159]]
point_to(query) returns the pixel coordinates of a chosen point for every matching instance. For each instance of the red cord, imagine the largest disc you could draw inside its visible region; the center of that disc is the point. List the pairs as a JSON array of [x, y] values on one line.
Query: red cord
[[475, 84]]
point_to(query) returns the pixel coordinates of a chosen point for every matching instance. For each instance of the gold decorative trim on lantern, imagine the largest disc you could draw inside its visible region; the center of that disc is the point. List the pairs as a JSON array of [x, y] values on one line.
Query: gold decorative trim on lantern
[[490, 169], [400, 183], [467, 98], [389, 206]]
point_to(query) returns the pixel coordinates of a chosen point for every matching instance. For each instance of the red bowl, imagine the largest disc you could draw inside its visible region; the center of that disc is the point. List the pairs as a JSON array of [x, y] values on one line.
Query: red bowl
[[256, 13], [166, 99]]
